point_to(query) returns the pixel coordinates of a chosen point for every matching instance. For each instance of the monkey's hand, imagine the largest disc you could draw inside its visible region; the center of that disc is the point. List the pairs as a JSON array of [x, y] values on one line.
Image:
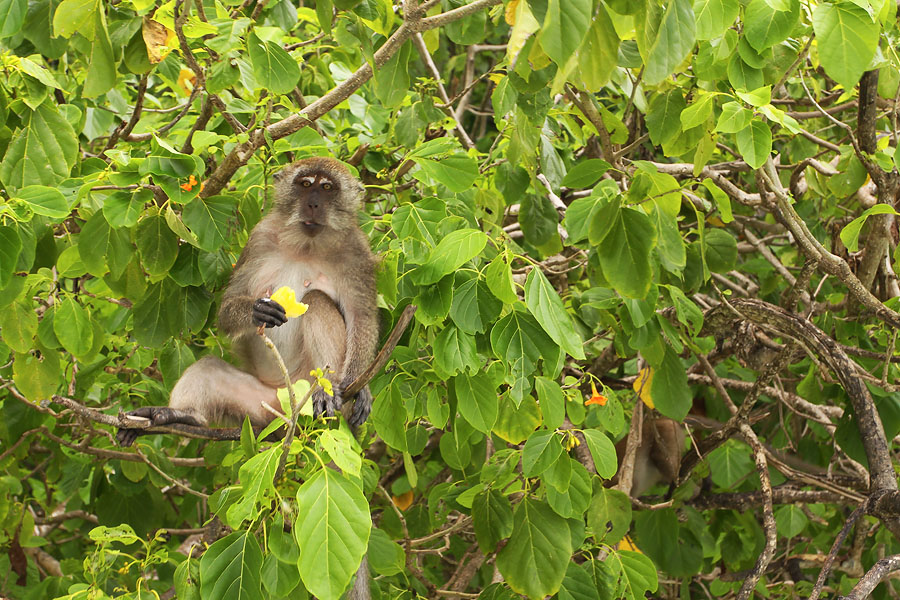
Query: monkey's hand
[[269, 313], [361, 408], [323, 404]]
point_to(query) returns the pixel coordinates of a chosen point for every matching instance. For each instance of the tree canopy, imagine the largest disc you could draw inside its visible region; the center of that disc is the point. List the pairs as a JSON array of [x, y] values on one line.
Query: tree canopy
[[639, 235]]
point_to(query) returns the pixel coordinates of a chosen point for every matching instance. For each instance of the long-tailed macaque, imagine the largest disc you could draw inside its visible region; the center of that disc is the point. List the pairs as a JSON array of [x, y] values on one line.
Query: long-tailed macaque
[[310, 242]]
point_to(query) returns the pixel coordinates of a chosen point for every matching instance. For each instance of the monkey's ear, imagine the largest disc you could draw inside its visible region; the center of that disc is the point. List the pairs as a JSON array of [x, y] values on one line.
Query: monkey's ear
[[278, 175]]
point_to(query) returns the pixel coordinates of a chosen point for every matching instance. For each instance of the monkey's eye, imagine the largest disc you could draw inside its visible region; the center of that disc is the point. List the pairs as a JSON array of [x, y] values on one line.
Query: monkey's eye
[[306, 184], [326, 186]]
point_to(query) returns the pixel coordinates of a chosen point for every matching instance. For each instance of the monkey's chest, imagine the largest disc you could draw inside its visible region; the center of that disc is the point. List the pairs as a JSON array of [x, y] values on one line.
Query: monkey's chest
[[301, 277]]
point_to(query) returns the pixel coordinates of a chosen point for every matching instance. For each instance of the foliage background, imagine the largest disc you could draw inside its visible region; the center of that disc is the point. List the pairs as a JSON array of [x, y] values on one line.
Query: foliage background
[[691, 200]]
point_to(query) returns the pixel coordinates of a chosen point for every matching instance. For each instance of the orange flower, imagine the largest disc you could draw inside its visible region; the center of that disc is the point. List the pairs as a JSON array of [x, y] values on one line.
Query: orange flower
[[596, 397], [192, 181]]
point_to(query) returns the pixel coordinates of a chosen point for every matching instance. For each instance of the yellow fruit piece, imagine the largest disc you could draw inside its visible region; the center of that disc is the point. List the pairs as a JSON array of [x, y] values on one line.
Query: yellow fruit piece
[[510, 14], [286, 297], [641, 385]]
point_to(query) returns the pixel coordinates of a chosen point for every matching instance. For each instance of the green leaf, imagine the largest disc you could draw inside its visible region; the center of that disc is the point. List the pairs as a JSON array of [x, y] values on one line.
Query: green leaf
[[419, 220], [664, 116], [544, 303], [714, 17], [157, 244], [721, 250], [602, 451], [790, 520], [474, 307], [452, 252], [850, 232], [386, 556], [477, 401], [434, 301], [18, 326], [551, 400], [599, 54], [75, 16], [209, 219], [122, 209], [734, 118], [104, 249], [586, 173], [256, 481], [332, 530], [520, 342], [730, 463], [638, 573], [73, 329], [43, 200], [10, 246], [669, 387], [565, 26], [12, 16], [492, 518], [457, 173], [572, 502], [609, 515], [847, 38], [498, 275], [535, 559], [625, 249], [755, 143], [581, 213], [101, 73], [665, 37], [392, 79], [42, 152], [698, 111], [542, 449], [339, 446], [156, 316], [743, 76], [231, 568], [454, 351], [766, 26], [658, 531], [723, 202], [275, 70], [578, 585], [389, 417]]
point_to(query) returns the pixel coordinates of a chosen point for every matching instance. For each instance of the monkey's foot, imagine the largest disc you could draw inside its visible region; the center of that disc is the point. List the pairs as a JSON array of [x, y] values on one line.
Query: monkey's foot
[[361, 408], [323, 404], [157, 415]]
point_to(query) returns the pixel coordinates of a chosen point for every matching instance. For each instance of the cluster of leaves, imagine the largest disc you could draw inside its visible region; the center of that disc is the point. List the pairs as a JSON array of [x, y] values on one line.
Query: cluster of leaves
[[537, 214]]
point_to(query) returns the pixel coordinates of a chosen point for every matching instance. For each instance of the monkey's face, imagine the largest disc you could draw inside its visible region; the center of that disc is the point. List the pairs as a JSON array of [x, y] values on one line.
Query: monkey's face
[[317, 194], [316, 197]]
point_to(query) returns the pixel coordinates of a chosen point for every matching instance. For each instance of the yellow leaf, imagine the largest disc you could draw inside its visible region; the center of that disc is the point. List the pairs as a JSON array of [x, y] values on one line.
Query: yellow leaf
[[511, 12], [404, 500], [627, 544], [641, 385], [286, 297], [158, 38], [185, 77]]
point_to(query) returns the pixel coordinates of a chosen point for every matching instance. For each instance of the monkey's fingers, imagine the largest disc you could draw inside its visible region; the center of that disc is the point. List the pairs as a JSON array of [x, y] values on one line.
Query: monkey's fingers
[[126, 437], [361, 408], [269, 313], [323, 404]]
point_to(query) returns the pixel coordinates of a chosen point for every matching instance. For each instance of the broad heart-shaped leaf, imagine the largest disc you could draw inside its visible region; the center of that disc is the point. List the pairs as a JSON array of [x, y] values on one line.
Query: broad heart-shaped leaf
[[635, 572], [332, 531], [602, 451], [609, 515], [273, 67], [256, 479], [714, 17], [658, 531], [392, 78], [542, 449], [534, 561], [454, 351], [519, 340], [389, 417], [664, 116], [476, 398], [102, 248], [157, 244], [456, 172], [73, 329], [451, 253], [790, 520], [598, 55], [625, 249], [12, 16], [755, 143], [578, 585], [573, 501], [847, 38], [157, 317], [586, 173], [18, 326], [565, 26], [498, 276], [419, 220], [42, 152], [474, 307], [766, 26], [669, 387], [75, 16], [734, 118], [122, 209], [492, 518], [10, 246], [231, 568], [730, 463], [665, 36], [543, 302], [43, 200], [850, 232], [208, 218]]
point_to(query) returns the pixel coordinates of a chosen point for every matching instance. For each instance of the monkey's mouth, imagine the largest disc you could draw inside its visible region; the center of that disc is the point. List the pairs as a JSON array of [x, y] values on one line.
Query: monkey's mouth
[[312, 228]]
